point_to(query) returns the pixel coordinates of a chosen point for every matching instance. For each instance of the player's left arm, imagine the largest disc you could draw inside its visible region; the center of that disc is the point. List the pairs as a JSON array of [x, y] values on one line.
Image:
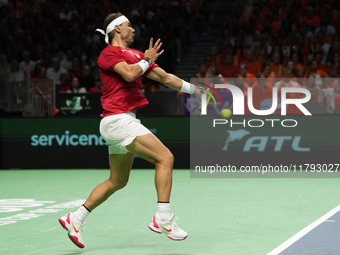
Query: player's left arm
[[171, 81]]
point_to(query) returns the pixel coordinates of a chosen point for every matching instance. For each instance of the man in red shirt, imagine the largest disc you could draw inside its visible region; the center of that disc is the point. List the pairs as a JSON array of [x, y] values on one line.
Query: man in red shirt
[[310, 19], [121, 71], [228, 70], [76, 70], [97, 86]]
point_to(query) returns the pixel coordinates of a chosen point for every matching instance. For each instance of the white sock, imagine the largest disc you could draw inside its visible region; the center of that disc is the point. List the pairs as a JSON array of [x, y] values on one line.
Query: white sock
[[82, 213], [163, 210]]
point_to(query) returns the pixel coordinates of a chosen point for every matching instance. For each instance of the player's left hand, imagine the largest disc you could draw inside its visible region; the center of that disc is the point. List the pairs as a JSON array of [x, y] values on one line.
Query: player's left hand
[[153, 51]]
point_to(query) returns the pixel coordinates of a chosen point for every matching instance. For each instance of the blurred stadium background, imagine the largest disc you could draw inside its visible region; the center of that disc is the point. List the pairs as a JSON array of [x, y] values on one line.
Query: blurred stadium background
[[50, 102]]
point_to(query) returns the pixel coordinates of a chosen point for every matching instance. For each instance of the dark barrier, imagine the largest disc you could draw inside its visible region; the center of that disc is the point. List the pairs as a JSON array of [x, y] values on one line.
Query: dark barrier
[[76, 143], [34, 143]]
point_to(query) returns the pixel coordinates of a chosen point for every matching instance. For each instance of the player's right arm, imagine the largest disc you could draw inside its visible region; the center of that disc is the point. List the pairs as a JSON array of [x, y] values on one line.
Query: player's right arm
[[133, 71], [128, 72]]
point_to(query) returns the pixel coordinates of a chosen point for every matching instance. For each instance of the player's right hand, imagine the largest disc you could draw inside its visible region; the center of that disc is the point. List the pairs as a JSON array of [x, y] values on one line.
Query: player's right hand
[[153, 51], [198, 93]]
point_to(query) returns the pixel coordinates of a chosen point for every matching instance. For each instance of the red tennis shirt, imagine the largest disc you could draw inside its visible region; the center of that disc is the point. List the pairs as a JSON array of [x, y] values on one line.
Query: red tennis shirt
[[119, 95]]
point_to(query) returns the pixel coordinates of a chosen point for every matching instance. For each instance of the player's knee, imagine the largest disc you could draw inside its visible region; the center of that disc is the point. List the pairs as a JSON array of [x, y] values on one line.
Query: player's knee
[[121, 184], [167, 159], [115, 185]]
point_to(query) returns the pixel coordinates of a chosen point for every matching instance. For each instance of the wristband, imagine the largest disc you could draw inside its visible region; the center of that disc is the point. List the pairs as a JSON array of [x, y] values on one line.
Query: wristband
[[188, 87], [144, 65]]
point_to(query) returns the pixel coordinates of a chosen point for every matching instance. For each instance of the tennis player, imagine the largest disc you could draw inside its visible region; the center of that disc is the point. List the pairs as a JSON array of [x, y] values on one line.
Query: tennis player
[[122, 70]]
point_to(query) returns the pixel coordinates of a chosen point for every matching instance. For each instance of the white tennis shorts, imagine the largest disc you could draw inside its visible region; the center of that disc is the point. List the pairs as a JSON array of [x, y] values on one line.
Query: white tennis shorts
[[120, 130]]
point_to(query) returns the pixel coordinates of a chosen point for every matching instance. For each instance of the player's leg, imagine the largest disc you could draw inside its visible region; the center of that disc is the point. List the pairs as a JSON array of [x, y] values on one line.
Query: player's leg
[[149, 147], [120, 167], [152, 149]]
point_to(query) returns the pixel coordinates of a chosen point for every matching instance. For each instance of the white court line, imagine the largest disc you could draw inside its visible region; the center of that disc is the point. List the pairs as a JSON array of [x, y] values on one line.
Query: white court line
[[303, 232]]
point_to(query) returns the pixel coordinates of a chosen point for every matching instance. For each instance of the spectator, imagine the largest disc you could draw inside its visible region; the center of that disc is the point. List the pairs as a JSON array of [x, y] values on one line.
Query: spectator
[[284, 49], [302, 46], [310, 82], [66, 14], [334, 48], [319, 59], [35, 73], [277, 66], [211, 70], [334, 67], [228, 70], [290, 66], [55, 71], [92, 36], [46, 58], [76, 70], [75, 89], [95, 69], [55, 51], [313, 69], [248, 78], [66, 63], [240, 83], [65, 84], [42, 82], [286, 81], [296, 50], [16, 9], [262, 83], [324, 46], [42, 74], [254, 66], [327, 93], [228, 39], [317, 74], [328, 82], [267, 70], [27, 65], [308, 36], [84, 59], [3, 3], [265, 47], [257, 53], [94, 51], [86, 80], [97, 86], [298, 66], [310, 19], [202, 73], [333, 14], [330, 30]]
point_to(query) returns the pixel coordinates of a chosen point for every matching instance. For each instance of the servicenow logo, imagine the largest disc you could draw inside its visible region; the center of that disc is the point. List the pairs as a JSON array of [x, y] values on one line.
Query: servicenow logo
[[68, 140]]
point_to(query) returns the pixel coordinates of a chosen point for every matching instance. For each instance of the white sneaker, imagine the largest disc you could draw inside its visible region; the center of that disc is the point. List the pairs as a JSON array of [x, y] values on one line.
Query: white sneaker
[[170, 228], [74, 227]]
